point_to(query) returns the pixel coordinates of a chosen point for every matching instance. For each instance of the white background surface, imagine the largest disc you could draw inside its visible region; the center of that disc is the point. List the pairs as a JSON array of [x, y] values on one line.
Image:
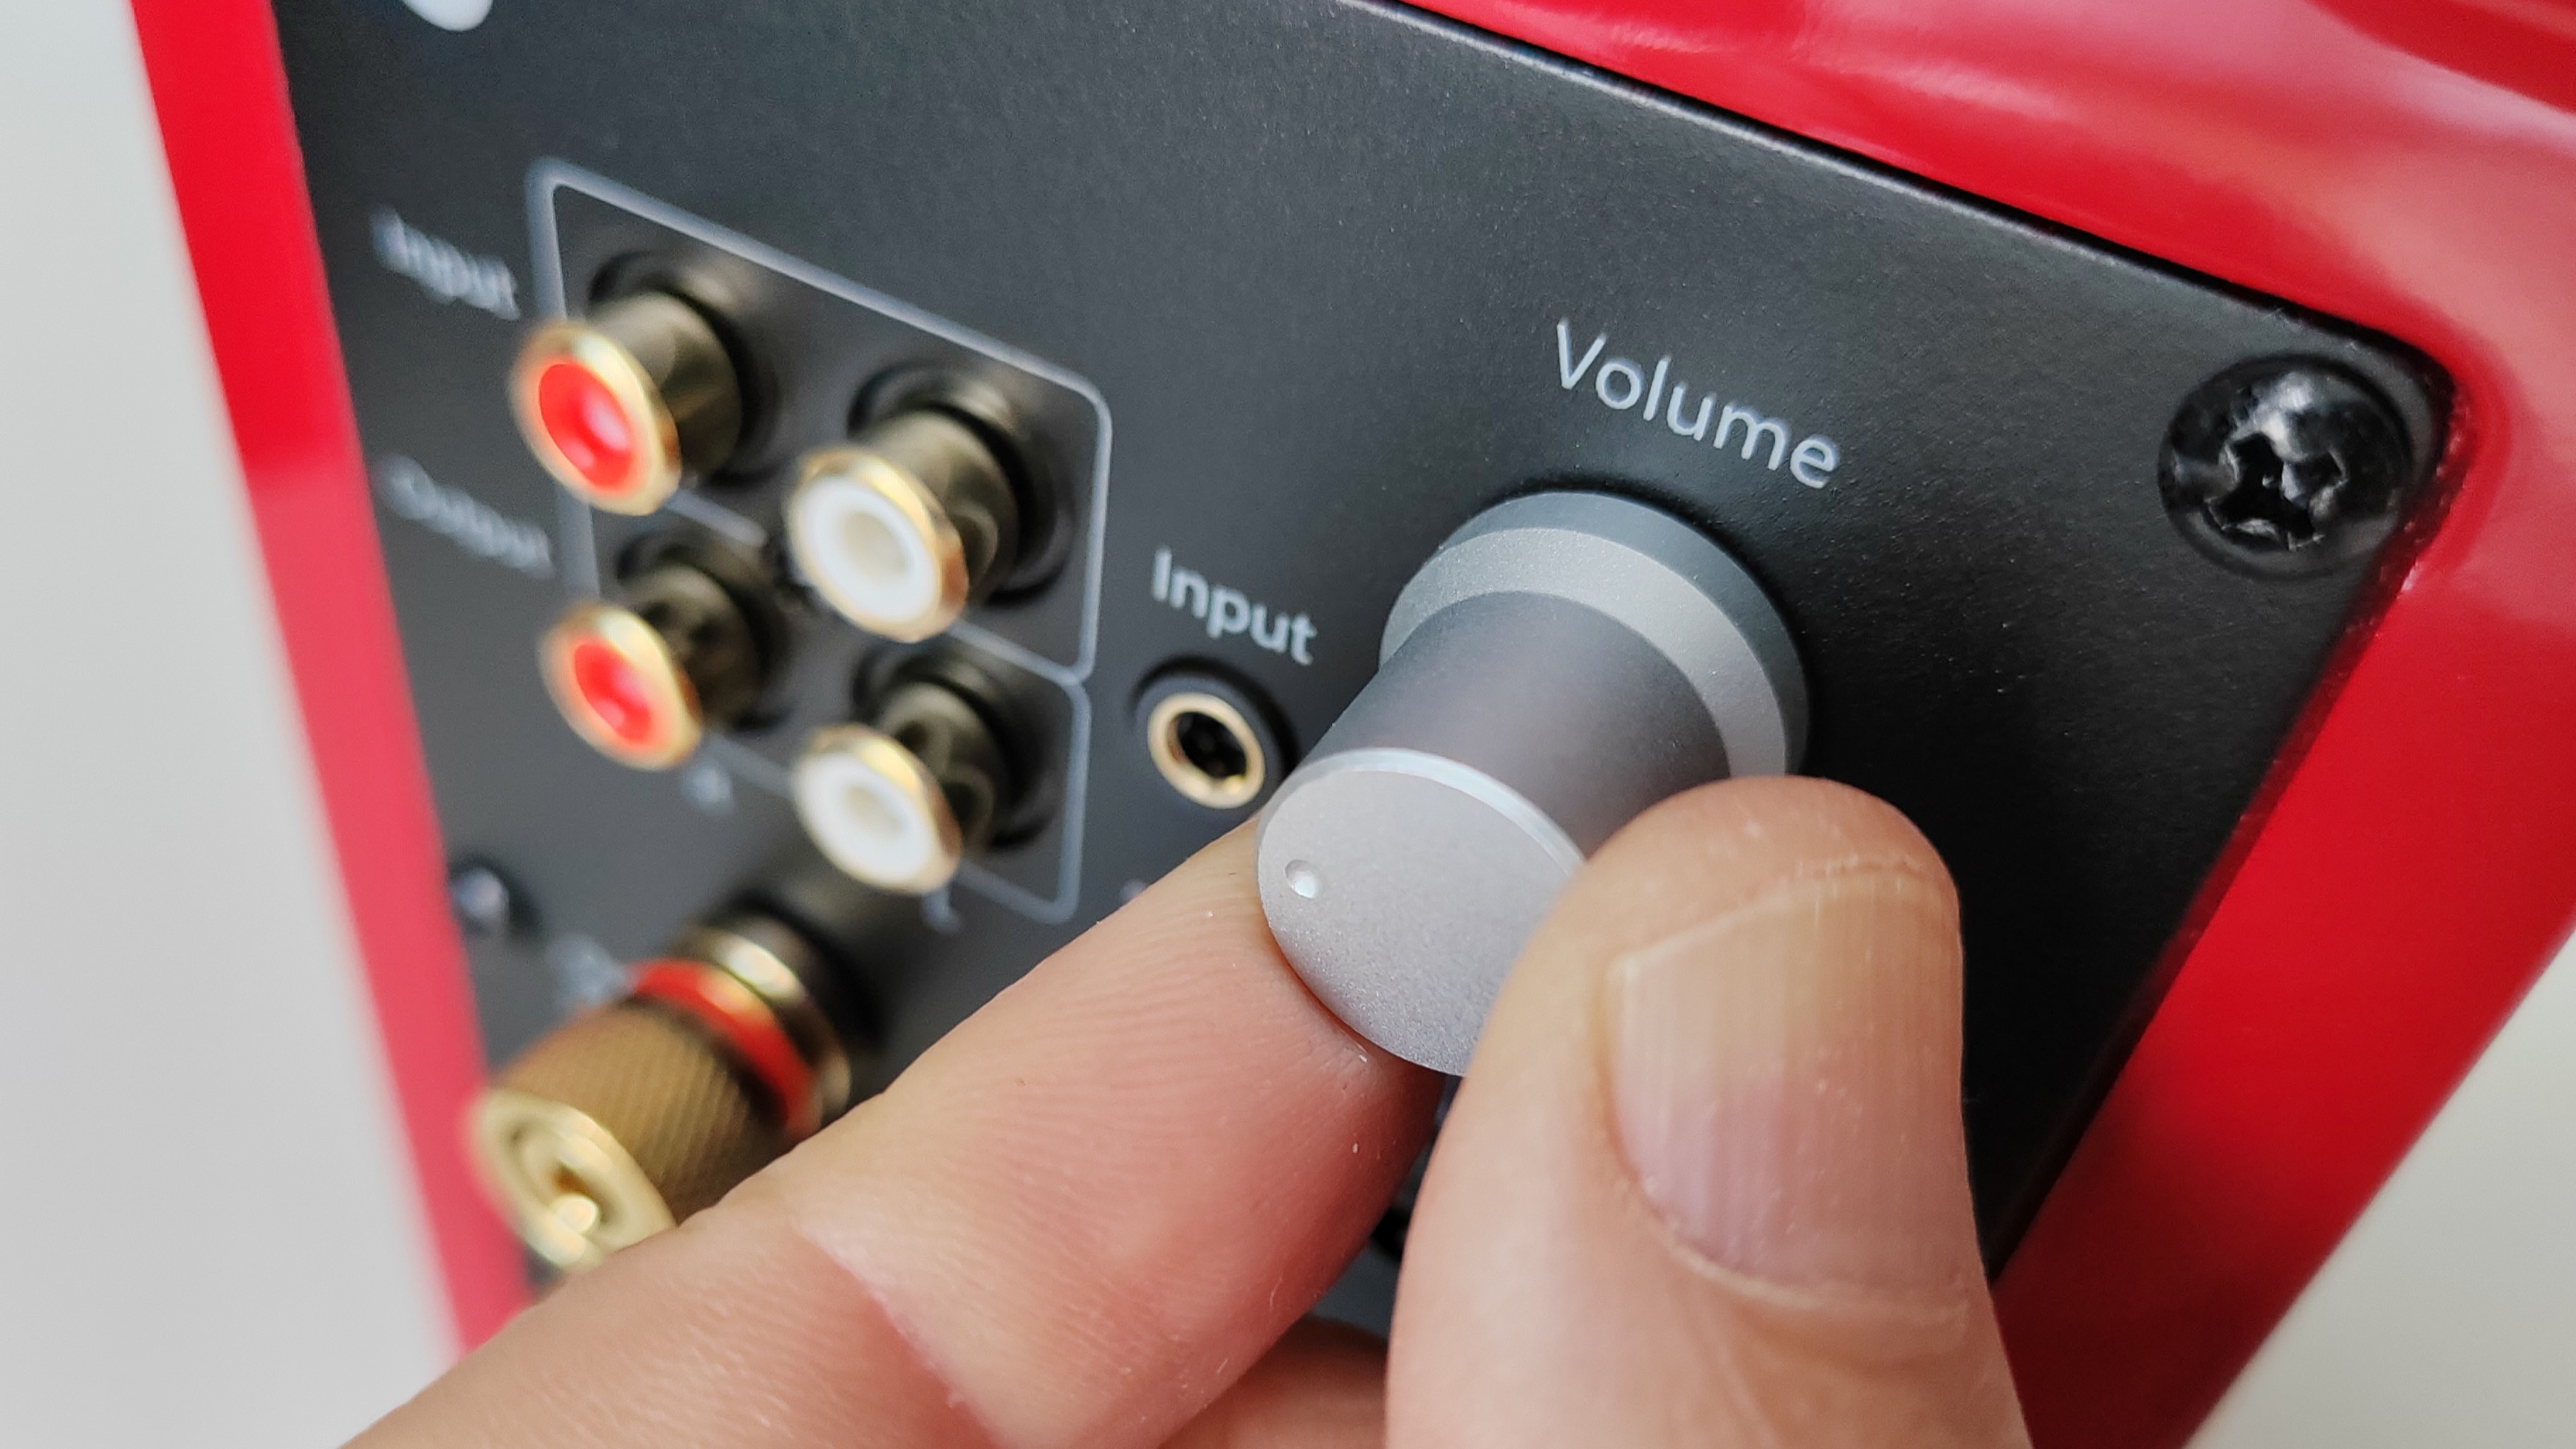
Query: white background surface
[[207, 1232], [2448, 1315]]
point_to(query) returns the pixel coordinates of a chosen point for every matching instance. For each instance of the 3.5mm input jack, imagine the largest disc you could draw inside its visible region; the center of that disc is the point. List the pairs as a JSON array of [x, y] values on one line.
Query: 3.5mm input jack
[[1210, 740]]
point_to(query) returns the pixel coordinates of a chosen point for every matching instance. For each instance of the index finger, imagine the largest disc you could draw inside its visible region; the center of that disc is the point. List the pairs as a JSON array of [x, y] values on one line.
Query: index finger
[[1073, 1221]]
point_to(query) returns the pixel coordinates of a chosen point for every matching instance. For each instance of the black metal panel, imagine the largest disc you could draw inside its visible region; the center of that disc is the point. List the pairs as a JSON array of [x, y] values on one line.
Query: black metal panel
[[1315, 257]]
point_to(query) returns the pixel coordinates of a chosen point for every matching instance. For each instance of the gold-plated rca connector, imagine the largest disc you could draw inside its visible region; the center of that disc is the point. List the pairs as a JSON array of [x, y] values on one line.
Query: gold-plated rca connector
[[904, 526], [629, 1119], [627, 404], [619, 684], [899, 802], [643, 677]]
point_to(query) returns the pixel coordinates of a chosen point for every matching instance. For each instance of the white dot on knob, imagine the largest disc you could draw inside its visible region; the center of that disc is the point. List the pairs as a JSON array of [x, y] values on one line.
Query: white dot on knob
[[1303, 880]]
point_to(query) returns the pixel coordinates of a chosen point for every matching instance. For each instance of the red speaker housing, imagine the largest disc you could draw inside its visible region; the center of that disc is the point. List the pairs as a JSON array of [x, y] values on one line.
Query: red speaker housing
[[2400, 881]]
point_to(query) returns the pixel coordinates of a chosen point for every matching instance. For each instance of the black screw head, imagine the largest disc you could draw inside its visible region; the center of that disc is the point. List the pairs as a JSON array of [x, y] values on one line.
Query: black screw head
[[2286, 466]]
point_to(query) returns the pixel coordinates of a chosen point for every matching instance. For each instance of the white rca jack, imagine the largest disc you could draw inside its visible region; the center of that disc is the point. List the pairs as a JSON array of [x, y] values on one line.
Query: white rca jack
[[899, 802], [906, 525]]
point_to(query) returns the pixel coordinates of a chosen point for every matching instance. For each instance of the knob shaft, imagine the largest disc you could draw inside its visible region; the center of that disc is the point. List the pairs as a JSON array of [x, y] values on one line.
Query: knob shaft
[[1562, 663]]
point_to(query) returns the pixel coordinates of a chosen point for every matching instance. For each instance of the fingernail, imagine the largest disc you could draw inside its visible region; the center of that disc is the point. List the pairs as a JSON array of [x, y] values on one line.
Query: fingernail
[[1784, 1081]]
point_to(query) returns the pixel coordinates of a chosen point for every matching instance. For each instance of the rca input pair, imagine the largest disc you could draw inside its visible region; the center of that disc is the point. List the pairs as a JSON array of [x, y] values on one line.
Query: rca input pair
[[899, 528]]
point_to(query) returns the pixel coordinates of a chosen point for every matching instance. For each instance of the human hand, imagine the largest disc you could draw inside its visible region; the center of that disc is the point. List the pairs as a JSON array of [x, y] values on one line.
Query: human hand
[[1704, 1183]]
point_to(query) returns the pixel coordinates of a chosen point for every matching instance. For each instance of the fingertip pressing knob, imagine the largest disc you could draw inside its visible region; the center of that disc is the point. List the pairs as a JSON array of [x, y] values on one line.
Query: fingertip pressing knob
[[1562, 663]]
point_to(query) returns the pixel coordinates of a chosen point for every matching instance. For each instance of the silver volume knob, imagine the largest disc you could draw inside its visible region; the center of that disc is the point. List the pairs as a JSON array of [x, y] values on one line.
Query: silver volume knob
[[1563, 662]]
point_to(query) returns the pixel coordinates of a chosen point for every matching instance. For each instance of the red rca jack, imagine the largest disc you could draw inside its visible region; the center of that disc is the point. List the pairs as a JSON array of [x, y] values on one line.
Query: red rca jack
[[903, 527], [934, 775], [629, 404], [642, 677], [627, 1120]]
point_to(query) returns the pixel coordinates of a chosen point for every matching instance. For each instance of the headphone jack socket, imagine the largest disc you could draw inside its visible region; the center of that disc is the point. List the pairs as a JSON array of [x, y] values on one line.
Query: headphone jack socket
[[1212, 740]]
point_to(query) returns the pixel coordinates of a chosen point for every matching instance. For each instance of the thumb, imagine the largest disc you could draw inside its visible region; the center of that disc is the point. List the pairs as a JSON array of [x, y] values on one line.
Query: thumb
[[1705, 1181]]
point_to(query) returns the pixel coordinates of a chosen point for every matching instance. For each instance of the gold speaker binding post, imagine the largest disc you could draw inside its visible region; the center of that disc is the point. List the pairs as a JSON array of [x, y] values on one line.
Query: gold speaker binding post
[[630, 1118]]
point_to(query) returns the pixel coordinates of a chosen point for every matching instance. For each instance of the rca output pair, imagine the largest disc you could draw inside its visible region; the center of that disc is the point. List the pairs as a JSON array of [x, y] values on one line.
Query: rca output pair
[[897, 800]]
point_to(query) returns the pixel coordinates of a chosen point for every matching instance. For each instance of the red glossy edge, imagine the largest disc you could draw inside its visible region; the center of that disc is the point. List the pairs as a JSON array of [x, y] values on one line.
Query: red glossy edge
[[2411, 166], [741, 1020], [220, 91]]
